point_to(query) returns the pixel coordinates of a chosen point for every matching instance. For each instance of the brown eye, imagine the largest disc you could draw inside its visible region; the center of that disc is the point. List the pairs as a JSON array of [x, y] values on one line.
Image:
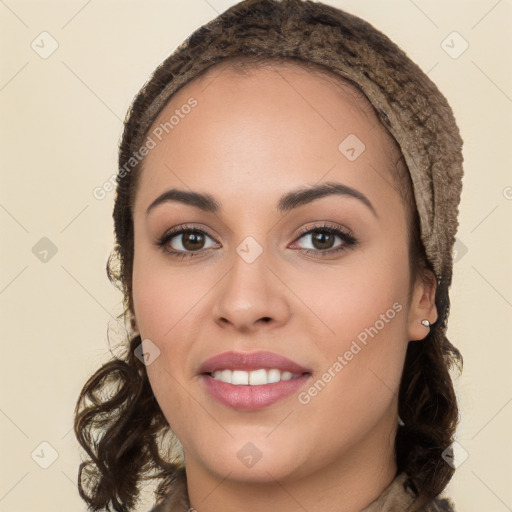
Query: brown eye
[[192, 241], [323, 240], [186, 242]]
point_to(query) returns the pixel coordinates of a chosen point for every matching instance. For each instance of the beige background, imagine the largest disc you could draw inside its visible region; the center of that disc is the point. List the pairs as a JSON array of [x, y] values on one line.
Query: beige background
[[60, 125]]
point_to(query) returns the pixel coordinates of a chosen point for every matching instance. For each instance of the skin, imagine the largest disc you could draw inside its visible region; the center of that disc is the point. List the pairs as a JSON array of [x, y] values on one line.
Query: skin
[[251, 139]]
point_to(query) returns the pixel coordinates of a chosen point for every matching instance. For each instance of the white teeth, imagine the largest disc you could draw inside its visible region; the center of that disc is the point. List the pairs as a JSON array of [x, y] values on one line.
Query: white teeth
[[286, 376], [226, 375], [239, 377], [257, 377], [254, 377], [273, 376]]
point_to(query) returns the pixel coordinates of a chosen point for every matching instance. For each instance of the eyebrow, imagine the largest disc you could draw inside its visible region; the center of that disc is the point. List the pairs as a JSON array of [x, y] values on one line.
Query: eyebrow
[[289, 201]]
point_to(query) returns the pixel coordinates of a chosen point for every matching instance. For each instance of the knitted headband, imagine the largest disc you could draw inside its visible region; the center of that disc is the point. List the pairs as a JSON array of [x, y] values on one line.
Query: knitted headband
[[407, 102]]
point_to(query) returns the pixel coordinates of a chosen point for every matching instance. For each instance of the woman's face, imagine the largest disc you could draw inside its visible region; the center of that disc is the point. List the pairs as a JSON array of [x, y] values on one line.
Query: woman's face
[[262, 272]]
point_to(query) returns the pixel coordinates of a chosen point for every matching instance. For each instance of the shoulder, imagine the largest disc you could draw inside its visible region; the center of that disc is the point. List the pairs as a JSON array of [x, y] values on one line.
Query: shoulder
[[440, 505], [395, 498], [398, 497], [176, 499]]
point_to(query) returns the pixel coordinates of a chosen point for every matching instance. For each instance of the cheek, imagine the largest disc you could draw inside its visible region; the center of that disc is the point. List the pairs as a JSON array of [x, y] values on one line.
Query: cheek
[[351, 297], [168, 306], [363, 343], [163, 298], [164, 309]]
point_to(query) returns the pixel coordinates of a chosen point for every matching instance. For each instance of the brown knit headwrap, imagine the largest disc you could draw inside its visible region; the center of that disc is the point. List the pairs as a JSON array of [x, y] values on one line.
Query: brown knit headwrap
[[407, 102]]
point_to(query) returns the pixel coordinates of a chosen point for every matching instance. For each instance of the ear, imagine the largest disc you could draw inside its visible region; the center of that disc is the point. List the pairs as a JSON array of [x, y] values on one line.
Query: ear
[[423, 305], [133, 324], [133, 320]]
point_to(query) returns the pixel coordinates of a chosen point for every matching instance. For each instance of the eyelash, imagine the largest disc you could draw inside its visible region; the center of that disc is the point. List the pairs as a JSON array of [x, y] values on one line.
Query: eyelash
[[348, 239]]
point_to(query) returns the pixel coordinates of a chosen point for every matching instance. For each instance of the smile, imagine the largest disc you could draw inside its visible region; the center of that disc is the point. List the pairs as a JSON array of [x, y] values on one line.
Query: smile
[[258, 377]]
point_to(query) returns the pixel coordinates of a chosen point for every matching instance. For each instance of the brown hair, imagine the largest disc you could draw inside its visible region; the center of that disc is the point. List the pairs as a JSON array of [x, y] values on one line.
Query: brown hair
[[117, 419]]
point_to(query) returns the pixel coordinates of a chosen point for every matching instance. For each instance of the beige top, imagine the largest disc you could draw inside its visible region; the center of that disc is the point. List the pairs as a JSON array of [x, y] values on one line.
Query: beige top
[[395, 498]]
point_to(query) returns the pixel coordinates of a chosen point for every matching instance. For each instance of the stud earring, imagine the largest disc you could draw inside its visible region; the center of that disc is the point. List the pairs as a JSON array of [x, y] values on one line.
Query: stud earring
[[426, 323]]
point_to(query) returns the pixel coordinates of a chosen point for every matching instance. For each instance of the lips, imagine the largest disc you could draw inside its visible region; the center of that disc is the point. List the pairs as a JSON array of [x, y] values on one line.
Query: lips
[[228, 377], [251, 361]]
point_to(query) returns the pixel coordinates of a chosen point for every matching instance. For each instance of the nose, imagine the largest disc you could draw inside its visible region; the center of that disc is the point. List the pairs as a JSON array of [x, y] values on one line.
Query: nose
[[251, 295]]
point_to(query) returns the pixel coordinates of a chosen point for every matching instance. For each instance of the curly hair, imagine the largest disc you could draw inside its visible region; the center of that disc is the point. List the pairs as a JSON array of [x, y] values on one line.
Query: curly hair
[[118, 421]]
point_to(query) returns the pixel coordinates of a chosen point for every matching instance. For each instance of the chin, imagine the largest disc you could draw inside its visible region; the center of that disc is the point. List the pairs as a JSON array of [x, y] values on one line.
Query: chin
[[265, 467]]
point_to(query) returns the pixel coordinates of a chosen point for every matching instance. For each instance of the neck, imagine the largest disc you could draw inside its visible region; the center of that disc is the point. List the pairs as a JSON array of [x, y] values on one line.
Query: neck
[[349, 484]]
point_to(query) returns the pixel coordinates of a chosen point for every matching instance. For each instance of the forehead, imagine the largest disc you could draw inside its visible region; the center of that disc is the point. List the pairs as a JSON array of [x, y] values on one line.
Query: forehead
[[270, 68], [276, 122], [276, 78]]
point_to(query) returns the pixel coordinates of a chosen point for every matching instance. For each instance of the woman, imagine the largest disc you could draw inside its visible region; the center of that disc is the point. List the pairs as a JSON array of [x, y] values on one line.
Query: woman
[[286, 208]]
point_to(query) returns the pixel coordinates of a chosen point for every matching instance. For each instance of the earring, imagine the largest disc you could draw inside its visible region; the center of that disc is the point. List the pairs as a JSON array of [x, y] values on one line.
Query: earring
[[426, 323]]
